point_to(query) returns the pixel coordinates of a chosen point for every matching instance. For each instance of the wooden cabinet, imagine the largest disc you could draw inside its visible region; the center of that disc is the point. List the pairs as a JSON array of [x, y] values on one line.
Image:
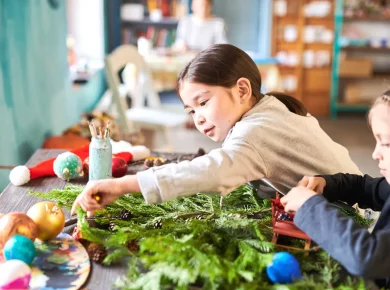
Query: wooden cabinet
[[302, 41], [361, 66]]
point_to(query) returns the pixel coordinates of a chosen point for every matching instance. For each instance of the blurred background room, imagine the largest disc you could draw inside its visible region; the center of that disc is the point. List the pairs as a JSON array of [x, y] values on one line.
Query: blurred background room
[[64, 62]]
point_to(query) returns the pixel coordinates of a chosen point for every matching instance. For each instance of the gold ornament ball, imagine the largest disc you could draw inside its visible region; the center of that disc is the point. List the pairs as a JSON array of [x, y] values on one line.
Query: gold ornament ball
[[49, 218]]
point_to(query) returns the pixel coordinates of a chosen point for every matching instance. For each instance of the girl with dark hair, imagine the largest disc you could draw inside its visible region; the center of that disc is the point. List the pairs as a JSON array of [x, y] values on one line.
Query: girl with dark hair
[[269, 136], [361, 253]]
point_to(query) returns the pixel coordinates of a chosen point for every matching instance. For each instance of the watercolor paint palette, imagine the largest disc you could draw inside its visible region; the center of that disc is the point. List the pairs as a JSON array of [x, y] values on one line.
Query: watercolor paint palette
[[60, 264]]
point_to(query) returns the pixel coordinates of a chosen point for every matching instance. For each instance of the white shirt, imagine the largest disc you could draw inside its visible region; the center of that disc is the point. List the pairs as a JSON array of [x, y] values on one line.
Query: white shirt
[[199, 35], [269, 141]]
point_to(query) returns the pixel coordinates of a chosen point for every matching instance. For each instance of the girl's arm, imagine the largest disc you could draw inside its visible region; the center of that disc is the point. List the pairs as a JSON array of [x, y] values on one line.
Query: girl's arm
[[361, 253], [368, 192], [220, 171]]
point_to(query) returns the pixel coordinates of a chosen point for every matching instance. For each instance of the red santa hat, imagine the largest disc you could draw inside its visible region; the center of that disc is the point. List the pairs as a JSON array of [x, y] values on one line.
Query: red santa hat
[[22, 174]]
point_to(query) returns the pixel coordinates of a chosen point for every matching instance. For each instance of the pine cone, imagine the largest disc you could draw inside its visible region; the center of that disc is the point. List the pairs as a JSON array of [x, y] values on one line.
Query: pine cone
[[158, 162], [112, 226], [96, 253], [125, 215], [158, 224], [148, 163], [133, 246]]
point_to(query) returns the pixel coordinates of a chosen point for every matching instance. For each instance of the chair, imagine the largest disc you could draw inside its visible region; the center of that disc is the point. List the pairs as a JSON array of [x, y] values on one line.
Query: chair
[[285, 227], [138, 84]]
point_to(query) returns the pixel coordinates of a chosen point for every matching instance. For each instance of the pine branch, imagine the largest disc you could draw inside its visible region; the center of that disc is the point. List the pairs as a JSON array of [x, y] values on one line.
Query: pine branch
[[198, 244]]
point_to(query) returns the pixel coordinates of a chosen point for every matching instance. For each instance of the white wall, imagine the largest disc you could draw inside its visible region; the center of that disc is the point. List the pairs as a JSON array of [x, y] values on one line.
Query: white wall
[[86, 25]]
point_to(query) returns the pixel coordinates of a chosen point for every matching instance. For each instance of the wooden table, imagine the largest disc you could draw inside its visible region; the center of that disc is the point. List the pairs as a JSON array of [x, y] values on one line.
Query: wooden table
[[16, 198]]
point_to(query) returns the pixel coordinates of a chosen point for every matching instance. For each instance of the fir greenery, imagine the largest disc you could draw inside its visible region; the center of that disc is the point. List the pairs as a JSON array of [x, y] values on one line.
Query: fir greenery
[[200, 245]]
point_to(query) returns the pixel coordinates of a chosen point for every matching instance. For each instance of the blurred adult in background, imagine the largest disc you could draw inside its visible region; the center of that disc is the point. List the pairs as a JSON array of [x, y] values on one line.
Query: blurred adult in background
[[201, 29]]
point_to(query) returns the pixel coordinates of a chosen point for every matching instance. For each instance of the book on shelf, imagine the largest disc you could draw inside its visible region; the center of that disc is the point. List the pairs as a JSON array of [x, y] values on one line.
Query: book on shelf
[[169, 8], [159, 37]]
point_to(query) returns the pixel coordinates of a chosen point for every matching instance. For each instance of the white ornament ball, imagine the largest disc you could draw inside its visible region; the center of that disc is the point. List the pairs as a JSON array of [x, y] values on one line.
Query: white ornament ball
[[14, 274], [67, 166]]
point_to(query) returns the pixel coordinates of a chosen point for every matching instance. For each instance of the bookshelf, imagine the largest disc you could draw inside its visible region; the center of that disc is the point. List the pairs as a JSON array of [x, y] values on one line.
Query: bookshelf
[[367, 18], [302, 41], [355, 93], [366, 49], [127, 20], [168, 22]]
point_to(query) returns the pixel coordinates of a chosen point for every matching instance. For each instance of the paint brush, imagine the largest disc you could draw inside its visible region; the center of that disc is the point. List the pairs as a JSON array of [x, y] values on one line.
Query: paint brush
[[107, 131], [94, 129]]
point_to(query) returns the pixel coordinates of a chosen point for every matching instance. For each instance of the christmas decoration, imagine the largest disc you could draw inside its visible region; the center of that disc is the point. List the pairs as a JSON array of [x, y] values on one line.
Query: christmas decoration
[[97, 253], [133, 246], [86, 166], [284, 268], [148, 163], [17, 223], [125, 215], [283, 225], [20, 248], [119, 167], [158, 224], [154, 161], [21, 174], [112, 226], [158, 162], [15, 274], [67, 166], [229, 248], [49, 218]]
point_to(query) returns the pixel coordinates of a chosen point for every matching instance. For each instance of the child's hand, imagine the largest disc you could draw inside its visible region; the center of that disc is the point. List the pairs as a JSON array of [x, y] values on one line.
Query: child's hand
[[314, 183], [296, 197], [97, 194]]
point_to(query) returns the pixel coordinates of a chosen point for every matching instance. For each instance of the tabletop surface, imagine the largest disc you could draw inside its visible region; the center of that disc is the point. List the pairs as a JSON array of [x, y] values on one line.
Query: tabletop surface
[[16, 198]]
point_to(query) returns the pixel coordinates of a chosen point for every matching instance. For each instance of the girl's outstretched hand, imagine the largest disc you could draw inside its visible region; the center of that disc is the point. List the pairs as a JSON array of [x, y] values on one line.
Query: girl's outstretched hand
[[314, 183], [98, 193], [296, 197]]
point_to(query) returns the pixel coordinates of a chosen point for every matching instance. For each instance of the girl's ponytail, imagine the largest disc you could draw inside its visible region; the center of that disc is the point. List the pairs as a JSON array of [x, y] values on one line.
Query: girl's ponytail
[[290, 102]]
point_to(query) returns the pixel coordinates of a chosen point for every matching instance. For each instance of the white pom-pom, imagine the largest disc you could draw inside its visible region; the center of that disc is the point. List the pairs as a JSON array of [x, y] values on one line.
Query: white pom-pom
[[120, 146], [139, 152], [19, 175]]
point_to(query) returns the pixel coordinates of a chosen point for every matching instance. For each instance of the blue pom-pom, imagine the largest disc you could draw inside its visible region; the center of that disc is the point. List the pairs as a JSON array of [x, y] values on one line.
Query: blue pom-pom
[[20, 248], [67, 166], [284, 268]]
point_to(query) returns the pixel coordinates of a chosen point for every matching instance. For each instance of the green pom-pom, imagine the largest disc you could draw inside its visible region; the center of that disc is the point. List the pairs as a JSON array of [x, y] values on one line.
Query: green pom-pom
[[68, 166]]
